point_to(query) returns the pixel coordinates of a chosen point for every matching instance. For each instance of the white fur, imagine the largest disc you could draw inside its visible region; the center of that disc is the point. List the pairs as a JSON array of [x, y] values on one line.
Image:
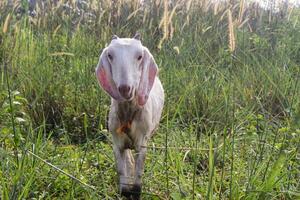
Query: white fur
[[126, 69]]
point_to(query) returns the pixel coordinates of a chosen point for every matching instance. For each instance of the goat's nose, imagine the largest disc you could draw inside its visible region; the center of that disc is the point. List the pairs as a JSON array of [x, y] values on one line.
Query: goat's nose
[[125, 91]]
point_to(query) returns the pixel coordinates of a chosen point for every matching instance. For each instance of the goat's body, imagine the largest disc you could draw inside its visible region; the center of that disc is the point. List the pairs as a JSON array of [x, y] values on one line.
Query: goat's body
[[143, 122], [128, 73]]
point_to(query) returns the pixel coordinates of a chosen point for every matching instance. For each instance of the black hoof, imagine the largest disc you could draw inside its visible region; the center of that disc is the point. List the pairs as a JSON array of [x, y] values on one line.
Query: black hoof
[[136, 192], [133, 193], [126, 193]]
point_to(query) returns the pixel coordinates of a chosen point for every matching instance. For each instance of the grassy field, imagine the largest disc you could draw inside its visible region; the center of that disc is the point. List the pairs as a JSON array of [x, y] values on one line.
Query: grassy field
[[231, 123]]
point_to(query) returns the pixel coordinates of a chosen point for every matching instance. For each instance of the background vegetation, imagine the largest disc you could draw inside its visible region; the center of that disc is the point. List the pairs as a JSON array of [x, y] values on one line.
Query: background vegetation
[[230, 127]]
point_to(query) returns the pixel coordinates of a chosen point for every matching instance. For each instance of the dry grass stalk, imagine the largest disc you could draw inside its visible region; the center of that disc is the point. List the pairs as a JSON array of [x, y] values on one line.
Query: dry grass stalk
[[241, 24], [225, 12], [164, 23], [133, 14], [242, 10], [171, 31], [290, 11], [6, 23], [56, 30], [231, 37], [188, 5], [216, 8]]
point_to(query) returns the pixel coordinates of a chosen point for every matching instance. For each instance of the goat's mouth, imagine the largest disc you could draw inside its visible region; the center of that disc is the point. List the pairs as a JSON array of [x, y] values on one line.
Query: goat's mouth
[[126, 91], [128, 96]]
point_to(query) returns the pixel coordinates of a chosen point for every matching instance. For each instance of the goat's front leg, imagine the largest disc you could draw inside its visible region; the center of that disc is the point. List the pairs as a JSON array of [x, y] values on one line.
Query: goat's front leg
[[139, 170], [125, 169]]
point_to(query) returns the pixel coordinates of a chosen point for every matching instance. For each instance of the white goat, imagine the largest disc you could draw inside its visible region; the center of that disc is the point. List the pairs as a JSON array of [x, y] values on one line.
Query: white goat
[[128, 73]]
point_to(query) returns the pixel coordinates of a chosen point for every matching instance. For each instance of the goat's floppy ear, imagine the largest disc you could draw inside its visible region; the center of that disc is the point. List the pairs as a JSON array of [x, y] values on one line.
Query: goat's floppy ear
[[104, 76], [149, 71]]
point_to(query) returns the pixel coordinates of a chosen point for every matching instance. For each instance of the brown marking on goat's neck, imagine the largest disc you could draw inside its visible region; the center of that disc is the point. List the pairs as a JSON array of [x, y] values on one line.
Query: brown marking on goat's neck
[[124, 128], [127, 112]]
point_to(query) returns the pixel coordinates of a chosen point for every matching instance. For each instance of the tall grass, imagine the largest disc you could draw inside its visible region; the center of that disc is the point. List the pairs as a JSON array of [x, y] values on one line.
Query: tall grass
[[230, 128]]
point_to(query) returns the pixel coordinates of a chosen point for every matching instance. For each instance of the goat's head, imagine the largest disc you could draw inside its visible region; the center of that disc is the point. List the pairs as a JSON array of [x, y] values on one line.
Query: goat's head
[[127, 70]]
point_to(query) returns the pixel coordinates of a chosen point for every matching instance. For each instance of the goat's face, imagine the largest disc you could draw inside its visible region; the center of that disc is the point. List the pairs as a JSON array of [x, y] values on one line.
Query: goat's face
[[125, 57], [126, 70]]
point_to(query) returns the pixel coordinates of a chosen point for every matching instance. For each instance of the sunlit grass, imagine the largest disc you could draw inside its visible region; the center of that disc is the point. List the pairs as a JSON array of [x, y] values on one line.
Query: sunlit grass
[[230, 127]]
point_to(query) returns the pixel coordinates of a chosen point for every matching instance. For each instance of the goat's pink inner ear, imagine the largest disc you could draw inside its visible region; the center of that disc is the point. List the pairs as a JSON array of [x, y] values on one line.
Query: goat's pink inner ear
[[106, 83], [147, 81], [142, 100]]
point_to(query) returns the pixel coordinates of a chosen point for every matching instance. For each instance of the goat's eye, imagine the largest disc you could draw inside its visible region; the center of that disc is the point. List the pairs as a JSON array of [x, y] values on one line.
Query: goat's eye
[[139, 58], [110, 56]]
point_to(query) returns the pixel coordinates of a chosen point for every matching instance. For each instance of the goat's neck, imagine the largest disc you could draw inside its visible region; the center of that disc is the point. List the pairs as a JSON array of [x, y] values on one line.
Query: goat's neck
[[127, 111]]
